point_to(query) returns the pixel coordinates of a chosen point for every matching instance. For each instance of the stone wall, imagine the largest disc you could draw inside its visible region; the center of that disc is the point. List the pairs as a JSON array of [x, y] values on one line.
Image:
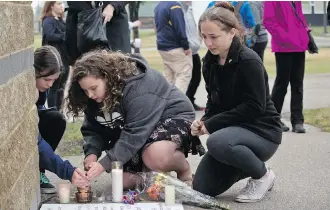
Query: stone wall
[[19, 174]]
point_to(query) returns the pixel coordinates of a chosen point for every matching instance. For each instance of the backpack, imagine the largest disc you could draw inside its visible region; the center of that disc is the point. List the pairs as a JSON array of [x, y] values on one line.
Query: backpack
[[250, 35]]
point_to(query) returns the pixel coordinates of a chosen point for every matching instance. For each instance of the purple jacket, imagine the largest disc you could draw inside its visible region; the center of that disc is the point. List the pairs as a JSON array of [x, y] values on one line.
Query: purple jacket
[[288, 33]]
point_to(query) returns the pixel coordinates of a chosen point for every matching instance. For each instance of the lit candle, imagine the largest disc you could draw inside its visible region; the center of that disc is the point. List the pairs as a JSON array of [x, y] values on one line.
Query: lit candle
[[169, 195], [64, 194], [117, 181]]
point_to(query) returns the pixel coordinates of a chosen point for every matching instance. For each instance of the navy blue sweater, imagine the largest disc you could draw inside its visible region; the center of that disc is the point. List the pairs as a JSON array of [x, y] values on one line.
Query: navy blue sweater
[[170, 26], [47, 158]]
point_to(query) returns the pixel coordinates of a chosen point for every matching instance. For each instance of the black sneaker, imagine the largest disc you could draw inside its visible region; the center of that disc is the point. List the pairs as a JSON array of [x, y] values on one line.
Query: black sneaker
[[284, 127], [45, 186], [298, 128]]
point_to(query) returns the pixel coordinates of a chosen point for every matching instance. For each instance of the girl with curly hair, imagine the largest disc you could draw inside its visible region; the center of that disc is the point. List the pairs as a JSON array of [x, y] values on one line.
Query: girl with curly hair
[[132, 113]]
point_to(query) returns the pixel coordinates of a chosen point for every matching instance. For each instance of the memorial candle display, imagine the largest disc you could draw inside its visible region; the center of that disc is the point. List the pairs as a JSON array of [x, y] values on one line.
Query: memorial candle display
[[117, 181]]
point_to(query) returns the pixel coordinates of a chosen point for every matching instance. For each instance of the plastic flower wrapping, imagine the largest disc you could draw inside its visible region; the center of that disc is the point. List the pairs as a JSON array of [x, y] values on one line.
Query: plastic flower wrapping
[[152, 187]]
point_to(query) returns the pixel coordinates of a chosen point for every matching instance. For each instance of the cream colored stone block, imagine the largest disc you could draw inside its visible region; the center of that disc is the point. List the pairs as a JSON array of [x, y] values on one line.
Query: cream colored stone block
[[17, 149], [16, 30], [17, 98]]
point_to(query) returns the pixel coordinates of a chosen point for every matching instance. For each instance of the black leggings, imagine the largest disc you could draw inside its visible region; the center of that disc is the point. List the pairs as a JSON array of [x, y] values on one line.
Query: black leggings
[[52, 125], [234, 153], [195, 78]]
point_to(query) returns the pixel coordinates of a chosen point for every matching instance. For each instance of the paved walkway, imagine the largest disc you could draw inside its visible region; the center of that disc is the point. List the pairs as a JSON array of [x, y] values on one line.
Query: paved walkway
[[301, 165]]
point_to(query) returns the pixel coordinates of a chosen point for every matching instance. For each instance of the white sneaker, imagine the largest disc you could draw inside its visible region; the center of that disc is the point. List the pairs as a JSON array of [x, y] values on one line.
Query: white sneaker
[[256, 189]]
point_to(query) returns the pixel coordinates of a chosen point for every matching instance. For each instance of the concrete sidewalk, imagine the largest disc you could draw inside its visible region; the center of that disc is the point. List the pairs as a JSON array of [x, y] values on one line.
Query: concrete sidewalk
[[301, 165]]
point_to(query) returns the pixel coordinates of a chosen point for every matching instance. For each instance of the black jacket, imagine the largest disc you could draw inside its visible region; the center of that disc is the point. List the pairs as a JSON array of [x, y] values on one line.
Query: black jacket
[[53, 33], [117, 29], [238, 94]]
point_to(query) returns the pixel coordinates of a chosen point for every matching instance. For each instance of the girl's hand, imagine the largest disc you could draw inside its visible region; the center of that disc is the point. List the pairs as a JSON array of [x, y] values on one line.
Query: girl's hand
[[79, 179], [196, 127], [108, 13], [95, 170], [204, 130]]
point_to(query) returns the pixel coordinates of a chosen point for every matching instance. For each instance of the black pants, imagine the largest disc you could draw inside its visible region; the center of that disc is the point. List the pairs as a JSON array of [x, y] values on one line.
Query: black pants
[[56, 92], [195, 78], [52, 125], [259, 48], [234, 153], [290, 68]]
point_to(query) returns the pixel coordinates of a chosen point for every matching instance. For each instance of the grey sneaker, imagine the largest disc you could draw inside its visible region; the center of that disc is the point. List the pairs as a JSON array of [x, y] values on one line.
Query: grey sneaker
[[256, 189], [298, 128], [45, 186], [284, 127]]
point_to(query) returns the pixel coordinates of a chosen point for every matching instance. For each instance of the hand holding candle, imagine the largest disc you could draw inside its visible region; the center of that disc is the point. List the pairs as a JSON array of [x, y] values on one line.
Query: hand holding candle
[[79, 179]]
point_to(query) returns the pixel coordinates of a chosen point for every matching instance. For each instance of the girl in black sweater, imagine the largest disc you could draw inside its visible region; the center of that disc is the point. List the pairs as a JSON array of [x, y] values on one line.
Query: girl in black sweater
[[241, 119]]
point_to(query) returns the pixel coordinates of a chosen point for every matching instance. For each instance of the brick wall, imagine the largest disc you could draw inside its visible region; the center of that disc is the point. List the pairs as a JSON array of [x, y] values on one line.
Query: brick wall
[[19, 176]]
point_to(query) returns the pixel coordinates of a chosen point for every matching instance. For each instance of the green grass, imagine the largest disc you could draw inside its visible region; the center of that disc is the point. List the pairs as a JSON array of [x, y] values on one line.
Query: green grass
[[319, 118], [72, 132], [37, 41], [319, 63], [319, 31]]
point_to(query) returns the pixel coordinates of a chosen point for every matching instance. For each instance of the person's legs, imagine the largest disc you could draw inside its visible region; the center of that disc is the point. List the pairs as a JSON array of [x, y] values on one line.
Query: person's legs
[[51, 127], [164, 156], [168, 71], [195, 80], [213, 177], [259, 48], [182, 67], [283, 71], [246, 151], [297, 85]]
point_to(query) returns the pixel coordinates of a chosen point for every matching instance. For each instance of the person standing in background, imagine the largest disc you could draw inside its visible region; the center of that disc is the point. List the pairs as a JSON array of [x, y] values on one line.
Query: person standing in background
[[284, 20], [172, 43], [259, 47], [115, 17], [53, 33], [194, 44]]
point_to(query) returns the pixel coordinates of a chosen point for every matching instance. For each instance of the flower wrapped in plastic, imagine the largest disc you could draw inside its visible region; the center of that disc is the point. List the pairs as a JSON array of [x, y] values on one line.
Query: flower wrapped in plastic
[[152, 187]]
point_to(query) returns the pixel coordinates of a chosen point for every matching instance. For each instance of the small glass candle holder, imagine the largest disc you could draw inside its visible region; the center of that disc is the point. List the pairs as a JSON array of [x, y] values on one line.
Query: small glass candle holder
[[64, 191], [117, 181], [84, 195]]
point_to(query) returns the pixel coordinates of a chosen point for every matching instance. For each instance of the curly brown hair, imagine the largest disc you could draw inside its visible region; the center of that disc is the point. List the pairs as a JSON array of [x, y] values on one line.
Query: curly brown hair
[[114, 67]]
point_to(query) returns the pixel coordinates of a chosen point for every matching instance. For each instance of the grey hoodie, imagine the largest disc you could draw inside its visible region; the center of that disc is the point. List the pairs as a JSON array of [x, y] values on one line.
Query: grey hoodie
[[147, 99], [257, 8], [191, 28]]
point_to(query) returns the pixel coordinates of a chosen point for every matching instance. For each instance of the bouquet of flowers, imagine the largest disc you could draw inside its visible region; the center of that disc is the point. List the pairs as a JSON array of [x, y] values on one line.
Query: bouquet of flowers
[[152, 187]]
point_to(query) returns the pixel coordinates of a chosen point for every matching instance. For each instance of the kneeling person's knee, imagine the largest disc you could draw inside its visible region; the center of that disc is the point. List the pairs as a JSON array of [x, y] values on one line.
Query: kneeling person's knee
[[219, 146]]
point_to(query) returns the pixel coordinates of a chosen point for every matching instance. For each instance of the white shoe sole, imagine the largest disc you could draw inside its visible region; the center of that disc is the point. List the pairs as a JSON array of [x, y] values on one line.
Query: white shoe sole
[[257, 200]]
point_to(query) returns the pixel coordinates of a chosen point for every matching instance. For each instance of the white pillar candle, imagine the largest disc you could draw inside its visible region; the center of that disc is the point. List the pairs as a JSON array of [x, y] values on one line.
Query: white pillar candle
[[64, 194], [169, 195], [117, 185]]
